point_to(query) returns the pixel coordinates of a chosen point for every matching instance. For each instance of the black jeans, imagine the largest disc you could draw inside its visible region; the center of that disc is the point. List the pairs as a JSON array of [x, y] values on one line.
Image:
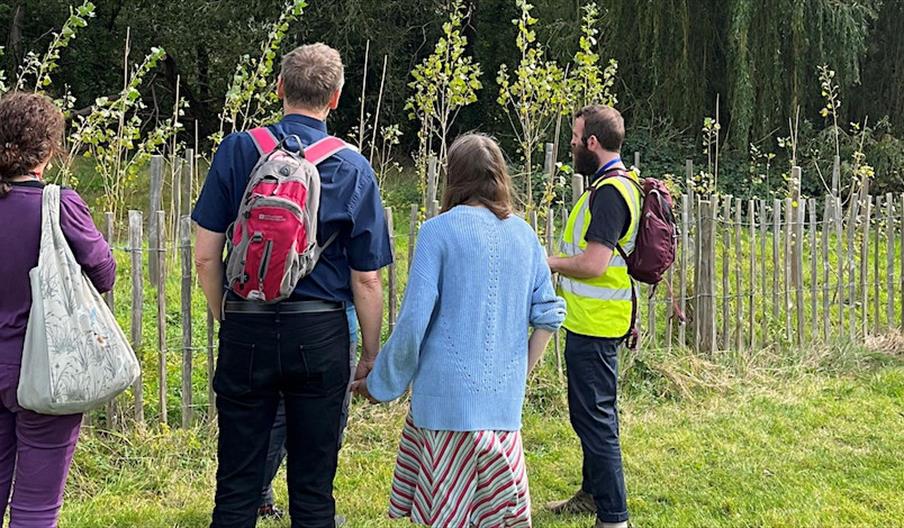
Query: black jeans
[[276, 452], [592, 404], [303, 359]]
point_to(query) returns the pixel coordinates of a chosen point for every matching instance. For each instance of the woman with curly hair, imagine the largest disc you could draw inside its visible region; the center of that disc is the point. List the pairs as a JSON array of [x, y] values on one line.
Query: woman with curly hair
[[35, 450]]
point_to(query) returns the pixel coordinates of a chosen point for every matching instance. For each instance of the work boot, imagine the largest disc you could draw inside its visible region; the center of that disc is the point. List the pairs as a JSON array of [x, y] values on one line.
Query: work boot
[[581, 503]]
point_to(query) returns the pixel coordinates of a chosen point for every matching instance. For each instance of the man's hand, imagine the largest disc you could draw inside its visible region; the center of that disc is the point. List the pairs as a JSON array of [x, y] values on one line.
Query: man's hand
[[360, 388], [592, 263], [363, 369]]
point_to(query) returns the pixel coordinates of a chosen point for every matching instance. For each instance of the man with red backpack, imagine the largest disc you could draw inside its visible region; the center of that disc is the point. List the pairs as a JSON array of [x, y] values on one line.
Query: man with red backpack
[[302, 215], [594, 280]]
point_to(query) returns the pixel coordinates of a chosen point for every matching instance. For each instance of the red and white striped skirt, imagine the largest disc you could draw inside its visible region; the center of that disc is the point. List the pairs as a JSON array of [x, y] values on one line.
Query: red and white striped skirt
[[453, 479]]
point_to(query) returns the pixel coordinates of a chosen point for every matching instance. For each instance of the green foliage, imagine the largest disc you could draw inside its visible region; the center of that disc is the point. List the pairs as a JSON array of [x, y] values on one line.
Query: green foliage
[[536, 95], [111, 135], [591, 84], [443, 83], [251, 99], [832, 101], [35, 71]]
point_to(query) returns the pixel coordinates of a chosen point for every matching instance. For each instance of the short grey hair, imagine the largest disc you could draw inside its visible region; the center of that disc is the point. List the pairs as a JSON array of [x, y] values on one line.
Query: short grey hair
[[311, 74]]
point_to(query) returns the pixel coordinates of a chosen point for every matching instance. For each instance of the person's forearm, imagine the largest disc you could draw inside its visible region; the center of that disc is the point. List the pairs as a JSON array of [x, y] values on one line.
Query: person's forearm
[[368, 296], [578, 267], [536, 347], [210, 275]]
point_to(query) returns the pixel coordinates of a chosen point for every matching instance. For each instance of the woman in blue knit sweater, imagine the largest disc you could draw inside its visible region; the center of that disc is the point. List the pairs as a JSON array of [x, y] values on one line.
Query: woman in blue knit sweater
[[478, 282]]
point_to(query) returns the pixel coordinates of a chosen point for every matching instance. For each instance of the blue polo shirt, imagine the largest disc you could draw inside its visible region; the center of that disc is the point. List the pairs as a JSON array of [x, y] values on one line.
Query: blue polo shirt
[[350, 204]]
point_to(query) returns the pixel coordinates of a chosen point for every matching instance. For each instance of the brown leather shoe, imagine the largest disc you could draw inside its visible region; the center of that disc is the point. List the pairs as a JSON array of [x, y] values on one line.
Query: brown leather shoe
[[580, 504]]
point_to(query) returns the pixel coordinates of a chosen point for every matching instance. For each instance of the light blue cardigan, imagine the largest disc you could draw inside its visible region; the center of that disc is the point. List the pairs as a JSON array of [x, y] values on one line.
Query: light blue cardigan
[[476, 284]]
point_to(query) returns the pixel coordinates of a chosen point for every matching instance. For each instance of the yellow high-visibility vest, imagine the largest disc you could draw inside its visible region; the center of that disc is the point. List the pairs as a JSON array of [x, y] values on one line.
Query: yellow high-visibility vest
[[601, 306]]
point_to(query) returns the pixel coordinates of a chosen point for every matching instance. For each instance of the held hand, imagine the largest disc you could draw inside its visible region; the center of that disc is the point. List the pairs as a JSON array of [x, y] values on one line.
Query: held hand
[[360, 388], [363, 369]]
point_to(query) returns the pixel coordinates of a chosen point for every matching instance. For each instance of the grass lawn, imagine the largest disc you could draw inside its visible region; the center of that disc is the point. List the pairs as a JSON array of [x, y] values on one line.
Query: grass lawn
[[821, 448]]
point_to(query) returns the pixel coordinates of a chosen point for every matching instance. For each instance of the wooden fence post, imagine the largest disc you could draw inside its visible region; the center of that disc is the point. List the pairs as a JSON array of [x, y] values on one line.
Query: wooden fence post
[[726, 267], [159, 257], [393, 307], [432, 177], [849, 258], [776, 258], [707, 315], [682, 279], [412, 234], [764, 233], [890, 259], [185, 250], [901, 261], [577, 188], [156, 234], [550, 250], [814, 272], [698, 264], [864, 261], [110, 408], [797, 270], [135, 248], [689, 183], [876, 290], [842, 259], [789, 233], [739, 296], [751, 212], [188, 176], [826, 287]]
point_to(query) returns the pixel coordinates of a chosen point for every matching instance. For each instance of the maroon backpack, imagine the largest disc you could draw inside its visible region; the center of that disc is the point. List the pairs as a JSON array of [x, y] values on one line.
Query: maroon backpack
[[655, 246], [657, 235]]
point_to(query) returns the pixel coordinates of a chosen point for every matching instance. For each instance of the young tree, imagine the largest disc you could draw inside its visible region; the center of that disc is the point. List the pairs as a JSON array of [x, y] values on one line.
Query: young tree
[[444, 83], [37, 69], [251, 98], [534, 97], [591, 83]]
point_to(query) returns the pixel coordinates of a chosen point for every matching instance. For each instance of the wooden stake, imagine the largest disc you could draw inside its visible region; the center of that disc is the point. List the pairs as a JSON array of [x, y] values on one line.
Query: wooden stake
[[135, 248]]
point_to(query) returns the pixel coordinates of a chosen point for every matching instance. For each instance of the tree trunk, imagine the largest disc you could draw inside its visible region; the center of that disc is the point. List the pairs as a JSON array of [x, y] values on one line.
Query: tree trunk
[[14, 41]]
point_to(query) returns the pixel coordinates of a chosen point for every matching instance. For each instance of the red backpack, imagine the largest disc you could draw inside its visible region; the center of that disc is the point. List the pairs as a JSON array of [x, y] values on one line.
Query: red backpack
[[273, 241]]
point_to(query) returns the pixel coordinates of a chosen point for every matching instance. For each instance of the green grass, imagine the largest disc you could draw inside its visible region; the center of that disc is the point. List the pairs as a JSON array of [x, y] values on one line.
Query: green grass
[[775, 436], [784, 446]]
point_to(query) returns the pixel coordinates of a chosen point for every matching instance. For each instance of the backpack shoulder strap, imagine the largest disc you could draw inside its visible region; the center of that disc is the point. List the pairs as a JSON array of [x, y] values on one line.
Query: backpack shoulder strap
[[322, 149], [264, 140]]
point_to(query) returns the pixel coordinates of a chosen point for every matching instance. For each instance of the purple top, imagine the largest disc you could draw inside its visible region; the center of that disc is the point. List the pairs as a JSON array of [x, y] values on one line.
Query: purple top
[[20, 239]]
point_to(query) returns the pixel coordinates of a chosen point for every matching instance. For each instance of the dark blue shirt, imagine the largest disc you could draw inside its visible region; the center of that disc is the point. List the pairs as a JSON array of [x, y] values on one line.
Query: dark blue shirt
[[350, 204]]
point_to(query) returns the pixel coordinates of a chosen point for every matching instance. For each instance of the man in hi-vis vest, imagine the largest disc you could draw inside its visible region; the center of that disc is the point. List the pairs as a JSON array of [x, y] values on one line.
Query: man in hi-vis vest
[[599, 294]]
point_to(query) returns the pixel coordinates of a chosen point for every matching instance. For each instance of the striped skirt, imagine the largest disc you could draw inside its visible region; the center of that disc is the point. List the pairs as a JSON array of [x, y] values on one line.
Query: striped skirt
[[450, 479]]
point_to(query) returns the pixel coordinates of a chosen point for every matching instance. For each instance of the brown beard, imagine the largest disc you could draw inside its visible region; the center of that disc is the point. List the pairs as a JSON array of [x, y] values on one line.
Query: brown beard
[[585, 162]]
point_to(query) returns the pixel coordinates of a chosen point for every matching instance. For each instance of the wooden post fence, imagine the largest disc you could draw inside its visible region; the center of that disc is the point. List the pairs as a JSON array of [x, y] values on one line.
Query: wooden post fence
[[135, 248], [159, 278], [187, 350]]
